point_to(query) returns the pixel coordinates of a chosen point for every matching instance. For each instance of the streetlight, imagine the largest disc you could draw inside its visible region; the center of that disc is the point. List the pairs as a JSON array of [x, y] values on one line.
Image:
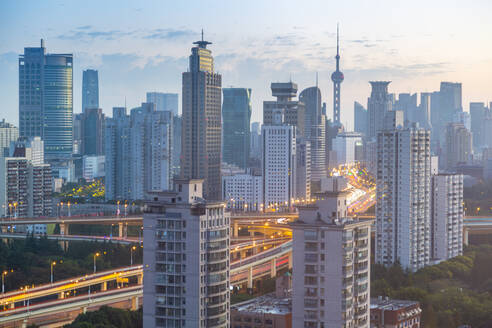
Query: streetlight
[[4, 273], [52, 264], [126, 205], [95, 255], [131, 254], [68, 204]]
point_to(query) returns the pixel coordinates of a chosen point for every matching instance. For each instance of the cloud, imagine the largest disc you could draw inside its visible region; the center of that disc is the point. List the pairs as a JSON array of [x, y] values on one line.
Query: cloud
[[85, 27], [170, 34], [86, 34]]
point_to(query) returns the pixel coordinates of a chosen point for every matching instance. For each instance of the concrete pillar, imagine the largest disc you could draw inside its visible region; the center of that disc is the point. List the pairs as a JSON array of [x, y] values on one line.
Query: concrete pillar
[[235, 232], [104, 286], [4, 229], [290, 260], [64, 229], [465, 236], [140, 279], [134, 303], [120, 229], [12, 306], [273, 268], [61, 295], [250, 277]]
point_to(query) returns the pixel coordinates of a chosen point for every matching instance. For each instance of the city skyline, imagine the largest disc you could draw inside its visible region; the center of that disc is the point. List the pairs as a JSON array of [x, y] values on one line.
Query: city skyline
[[151, 56]]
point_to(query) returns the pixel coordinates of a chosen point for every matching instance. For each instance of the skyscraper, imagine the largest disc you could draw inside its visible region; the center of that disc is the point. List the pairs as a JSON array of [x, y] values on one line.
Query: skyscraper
[[403, 196], [186, 259], [315, 131], [90, 89], [478, 113], [360, 118], [8, 133], [255, 144], [444, 104], [294, 110], [202, 126], [46, 99], [337, 78], [236, 115], [458, 145], [164, 101], [377, 106], [92, 131]]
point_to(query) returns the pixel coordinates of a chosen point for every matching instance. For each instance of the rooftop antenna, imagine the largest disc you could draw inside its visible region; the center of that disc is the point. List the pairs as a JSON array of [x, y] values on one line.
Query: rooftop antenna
[[202, 34], [125, 101], [202, 43]]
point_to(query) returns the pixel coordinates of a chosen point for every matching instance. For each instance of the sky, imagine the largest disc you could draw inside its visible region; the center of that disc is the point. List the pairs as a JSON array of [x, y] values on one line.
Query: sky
[[141, 46]]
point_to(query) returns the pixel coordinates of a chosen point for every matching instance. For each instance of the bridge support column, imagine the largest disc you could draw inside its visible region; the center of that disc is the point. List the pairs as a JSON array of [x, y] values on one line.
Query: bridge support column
[[4, 229], [64, 229], [465, 237], [104, 286], [122, 230], [135, 304], [12, 306], [290, 260], [61, 295], [250, 277], [140, 279], [273, 268], [235, 232]]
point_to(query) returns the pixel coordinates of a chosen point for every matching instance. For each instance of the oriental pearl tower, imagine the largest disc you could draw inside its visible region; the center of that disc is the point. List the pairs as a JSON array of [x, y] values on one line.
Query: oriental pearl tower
[[337, 78]]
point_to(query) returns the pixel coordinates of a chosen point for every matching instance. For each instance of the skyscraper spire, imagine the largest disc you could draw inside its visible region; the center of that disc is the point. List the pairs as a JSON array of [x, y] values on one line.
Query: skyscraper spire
[[337, 78]]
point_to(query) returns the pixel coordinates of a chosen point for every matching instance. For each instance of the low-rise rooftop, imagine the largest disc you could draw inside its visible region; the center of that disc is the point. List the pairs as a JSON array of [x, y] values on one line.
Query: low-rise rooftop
[[265, 304]]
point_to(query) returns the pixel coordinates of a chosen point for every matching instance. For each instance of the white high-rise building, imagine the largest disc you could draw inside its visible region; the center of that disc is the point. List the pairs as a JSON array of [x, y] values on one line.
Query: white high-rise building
[[331, 268], [403, 197], [345, 147], [447, 216], [243, 191], [279, 162], [8, 133], [186, 259]]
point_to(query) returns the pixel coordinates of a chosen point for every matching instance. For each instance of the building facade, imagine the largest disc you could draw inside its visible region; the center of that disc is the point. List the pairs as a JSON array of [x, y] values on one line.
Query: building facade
[[90, 89], [395, 313], [202, 121], [303, 169], [360, 118], [331, 268], [243, 191], [164, 101], [458, 146], [8, 134], [447, 216], [92, 132], [236, 117], [186, 259], [345, 145], [255, 144], [377, 106]]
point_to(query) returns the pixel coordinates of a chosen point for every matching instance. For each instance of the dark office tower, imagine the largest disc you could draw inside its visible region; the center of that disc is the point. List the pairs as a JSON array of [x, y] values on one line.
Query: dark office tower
[[478, 113], [90, 89], [177, 125], [92, 127], [314, 129], [360, 118], [202, 126], [337, 78], [236, 116], [285, 92], [377, 106], [45, 100]]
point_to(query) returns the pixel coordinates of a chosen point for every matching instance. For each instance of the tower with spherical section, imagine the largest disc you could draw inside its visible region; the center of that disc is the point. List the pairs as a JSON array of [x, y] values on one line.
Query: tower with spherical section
[[337, 78]]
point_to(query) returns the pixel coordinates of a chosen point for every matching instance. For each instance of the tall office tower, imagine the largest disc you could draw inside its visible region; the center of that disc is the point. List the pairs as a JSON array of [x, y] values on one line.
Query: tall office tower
[[294, 110], [345, 145], [150, 147], [303, 169], [118, 155], [377, 106], [360, 118], [164, 101], [408, 104], [202, 126], [337, 78], [447, 216], [236, 116], [25, 181], [8, 133], [45, 99], [92, 131], [478, 113], [464, 118], [444, 104], [177, 125], [279, 161], [425, 110], [186, 259], [243, 191], [315, 131], [331, 268], [332, 130], [90, 89], [77, 133], [458, 146], [403, 196], [255, 144]]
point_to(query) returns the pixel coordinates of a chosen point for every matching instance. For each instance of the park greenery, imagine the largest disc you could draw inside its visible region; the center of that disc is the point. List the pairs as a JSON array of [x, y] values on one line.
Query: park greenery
[[27, 261], [478, 199], [452, 293], [107, 317]]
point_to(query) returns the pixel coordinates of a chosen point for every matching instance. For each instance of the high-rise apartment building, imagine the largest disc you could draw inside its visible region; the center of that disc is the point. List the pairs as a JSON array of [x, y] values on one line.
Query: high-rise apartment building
[[90, 89], [243, 191], [8, 133], [186, 259], [202, 121], [377, 106], [279, 161], [360, 118], [164, 101], [236, 117], [331, 267], [345, 146], [255, 144], [46, 100], [458, 146], [478, 112], [314, 129], [92, 132], [294, 110], [447, 216], [403, 196]]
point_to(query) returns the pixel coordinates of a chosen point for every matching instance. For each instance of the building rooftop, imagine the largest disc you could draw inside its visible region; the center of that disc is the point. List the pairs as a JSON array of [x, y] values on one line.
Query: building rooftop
[[391, 305], [265, 304]]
